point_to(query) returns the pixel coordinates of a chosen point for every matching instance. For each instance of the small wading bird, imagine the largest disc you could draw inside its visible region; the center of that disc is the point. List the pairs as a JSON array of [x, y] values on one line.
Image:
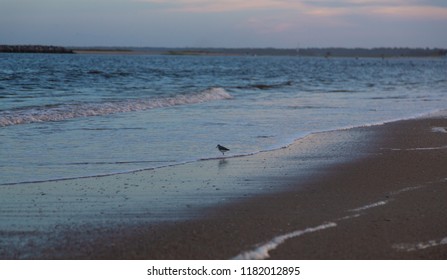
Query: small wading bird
[[222, 149]]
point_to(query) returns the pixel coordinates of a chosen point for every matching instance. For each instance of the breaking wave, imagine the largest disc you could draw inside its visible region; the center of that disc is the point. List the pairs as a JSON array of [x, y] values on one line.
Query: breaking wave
[[70, 111], [265, 86]]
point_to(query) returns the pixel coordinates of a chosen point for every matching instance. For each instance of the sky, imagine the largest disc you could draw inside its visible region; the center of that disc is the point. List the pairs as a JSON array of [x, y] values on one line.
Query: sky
[[225, 23]]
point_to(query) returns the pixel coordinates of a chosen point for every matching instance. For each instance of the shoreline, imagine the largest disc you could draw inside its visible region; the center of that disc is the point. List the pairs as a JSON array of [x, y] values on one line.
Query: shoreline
[[329, 52], [393, 214], [284, 145], [361, 179]]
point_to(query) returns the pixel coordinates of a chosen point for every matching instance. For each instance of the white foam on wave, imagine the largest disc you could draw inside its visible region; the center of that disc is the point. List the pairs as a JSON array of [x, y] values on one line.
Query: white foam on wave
[[440, 113], [372, 205], [439, 129], [407, 189], [262, 252], [408, 247], [349, 217], [420, 149], [71, 111]]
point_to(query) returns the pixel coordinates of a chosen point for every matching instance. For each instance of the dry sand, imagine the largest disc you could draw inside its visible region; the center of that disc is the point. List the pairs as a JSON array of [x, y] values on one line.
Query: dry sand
[[375, 192]]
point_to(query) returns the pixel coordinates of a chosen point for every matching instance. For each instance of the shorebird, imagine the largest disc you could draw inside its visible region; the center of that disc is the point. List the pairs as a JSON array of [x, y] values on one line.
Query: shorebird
[[222, 149]]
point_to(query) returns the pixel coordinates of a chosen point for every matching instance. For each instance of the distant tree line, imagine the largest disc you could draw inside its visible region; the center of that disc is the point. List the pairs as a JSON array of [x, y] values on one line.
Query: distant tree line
[[375, 52], [332, 52], [316, 52], [33, 49]]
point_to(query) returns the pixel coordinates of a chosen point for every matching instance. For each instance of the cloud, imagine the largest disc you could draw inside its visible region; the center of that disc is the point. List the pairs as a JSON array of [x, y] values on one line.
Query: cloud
[[225, 22], [269, 24], [412, 12], [216, 6], [317, 8]]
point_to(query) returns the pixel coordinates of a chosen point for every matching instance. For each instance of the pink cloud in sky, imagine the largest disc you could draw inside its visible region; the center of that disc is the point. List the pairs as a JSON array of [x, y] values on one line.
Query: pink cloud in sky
[[318, 8], [319, 11], [217, 6], [288, 16], [413, 12], [267, 25], [230, 23]]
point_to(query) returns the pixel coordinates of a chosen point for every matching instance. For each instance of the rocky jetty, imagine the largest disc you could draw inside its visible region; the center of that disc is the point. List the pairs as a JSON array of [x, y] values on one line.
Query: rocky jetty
[[33, 49]]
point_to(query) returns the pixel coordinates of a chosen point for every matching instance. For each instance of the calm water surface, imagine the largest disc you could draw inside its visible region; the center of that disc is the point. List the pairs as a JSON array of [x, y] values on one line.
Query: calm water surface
[[69, 116]]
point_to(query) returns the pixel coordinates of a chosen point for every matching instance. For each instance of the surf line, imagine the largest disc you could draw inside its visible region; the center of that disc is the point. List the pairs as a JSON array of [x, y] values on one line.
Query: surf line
[[408, 247], [262, 252], [366, 207]]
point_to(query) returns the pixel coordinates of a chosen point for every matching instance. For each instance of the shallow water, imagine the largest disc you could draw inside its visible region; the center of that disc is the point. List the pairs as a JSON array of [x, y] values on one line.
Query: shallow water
[[69, 116]]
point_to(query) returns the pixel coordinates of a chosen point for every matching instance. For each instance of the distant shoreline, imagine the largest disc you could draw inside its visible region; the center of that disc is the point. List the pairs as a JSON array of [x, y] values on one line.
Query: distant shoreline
[[305, 52], [33, 49]]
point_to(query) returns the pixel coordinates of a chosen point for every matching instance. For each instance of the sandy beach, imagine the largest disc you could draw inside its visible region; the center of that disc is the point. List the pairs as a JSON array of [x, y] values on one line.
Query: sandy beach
[[374, 192]]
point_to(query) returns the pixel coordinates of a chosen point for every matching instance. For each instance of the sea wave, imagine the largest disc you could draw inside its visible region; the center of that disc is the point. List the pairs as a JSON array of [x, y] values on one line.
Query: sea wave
[[265, 86], [62, 112]]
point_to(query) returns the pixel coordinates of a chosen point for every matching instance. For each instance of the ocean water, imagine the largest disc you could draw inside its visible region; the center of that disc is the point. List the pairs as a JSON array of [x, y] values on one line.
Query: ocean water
[[71, 116]]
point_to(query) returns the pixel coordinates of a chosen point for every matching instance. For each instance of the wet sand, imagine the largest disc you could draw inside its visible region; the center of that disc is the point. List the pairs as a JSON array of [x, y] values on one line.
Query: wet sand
[[374, 192]]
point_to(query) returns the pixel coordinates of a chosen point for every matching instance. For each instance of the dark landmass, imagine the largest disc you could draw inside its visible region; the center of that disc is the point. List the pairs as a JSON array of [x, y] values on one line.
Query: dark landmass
[[306, 52], [310, 52], [375, 52], [33, 49], [321, 52]]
